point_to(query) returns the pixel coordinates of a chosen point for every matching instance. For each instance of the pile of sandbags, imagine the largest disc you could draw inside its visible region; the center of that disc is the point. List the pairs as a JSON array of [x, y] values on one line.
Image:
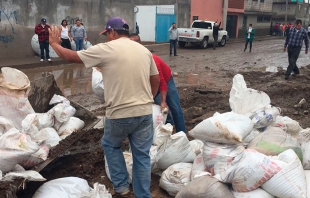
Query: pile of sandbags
[[253, 149]]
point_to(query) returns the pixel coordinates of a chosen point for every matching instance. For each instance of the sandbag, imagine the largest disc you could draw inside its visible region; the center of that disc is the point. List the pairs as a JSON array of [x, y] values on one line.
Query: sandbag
[[197, 146], [228, 128], [153, 153], [250, 137], [222, 154], [57, 124], [244, 100], [158, 116], [290, 181], [5, 125], [274, 141], [87, 45], [58, 99], [99, 191], [129, 164], [199, 168], [36, 158], [307, 173], [14, 90], [14, 148], [63, 112], [97, 84], [265, 117], [176, 149], [248, 171], [36, 47], [162, 133], [74, 124], [257, 193], [175, 178], [205, 187], [289, 125], [62, 188], [304, 139], [37, 121], [53, 138], [29, 175]]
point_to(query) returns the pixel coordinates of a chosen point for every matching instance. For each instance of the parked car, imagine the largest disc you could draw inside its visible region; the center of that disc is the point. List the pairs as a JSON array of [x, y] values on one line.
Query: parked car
[[201, 32]]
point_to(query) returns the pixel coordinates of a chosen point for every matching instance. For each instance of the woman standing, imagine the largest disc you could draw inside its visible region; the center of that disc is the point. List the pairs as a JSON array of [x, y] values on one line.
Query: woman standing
[[65, 35]]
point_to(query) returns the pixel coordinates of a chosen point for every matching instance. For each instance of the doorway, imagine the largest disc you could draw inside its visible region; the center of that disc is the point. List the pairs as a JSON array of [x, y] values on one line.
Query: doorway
[[231, 25]]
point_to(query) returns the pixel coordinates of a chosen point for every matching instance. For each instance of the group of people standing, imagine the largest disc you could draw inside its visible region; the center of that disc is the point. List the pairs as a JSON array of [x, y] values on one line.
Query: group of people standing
[[77, 33], [280, 29]]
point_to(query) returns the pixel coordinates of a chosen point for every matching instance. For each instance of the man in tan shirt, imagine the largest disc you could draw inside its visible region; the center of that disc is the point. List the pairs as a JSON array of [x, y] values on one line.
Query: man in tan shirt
[[131, 81]]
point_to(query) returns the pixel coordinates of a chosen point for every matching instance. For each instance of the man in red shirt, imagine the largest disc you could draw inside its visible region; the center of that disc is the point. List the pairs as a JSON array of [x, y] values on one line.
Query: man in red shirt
[[168, 95], [42, 31]]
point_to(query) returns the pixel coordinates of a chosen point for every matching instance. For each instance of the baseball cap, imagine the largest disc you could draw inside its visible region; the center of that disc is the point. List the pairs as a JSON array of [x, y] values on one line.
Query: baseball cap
[[115, 23], [43, 20]]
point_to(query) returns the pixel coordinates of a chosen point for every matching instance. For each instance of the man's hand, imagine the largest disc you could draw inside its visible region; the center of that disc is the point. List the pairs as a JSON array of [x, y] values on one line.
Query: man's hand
[[306, 52], [54, 35], [85, 39], [164, 107], [284, 49]]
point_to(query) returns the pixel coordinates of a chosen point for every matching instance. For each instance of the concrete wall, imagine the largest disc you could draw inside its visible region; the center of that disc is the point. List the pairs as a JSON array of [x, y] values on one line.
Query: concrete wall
[[265, 6], [261, 29], [19, 17], [211, 10]]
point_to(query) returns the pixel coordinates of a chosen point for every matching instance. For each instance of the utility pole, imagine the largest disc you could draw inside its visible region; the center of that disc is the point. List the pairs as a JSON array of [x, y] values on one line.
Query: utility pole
[[225, 8], [286, 5]]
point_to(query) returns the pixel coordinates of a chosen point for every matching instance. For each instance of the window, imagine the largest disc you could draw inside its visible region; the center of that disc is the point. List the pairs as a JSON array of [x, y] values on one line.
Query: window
[[195, 18], [284, 6], [263, 19], [203, 25]]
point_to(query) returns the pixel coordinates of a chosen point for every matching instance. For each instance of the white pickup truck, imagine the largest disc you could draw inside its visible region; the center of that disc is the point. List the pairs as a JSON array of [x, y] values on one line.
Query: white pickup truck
[[201, 33]]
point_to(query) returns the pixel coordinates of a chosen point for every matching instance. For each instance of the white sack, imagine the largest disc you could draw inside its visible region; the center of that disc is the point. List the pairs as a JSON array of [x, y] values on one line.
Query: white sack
[[229, 128], [99, 191], [249, 170], [87, 45], [57, 124], [36, 158], [307, 173], [153, 153], [97, 84], [244, 100], [53, 139], [274, 141], [205, 187], [63, 112], [36, 47], [35, 122], [175, 178], [221, 154], [290, 181], [74, 124], [14, 90], [14, 148], [197, 146], [58, 99], [265, 117], [30, 175], [199, 168], [288, 125], [257, 193], [5, 125], [304, 136], [250, 137], [158, 116], [62, 188], [176, 149], [162, 133]]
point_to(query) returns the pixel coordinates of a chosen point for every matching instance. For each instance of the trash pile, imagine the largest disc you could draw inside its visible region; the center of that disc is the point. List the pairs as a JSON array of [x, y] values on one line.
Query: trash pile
[[252, 151], [25, 136]]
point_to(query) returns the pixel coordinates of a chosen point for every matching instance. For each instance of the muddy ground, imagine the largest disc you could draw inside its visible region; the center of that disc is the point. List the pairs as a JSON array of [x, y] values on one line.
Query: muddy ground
[[204, 79]]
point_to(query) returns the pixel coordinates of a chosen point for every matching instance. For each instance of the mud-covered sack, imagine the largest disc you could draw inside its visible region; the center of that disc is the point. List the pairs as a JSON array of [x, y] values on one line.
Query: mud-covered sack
[[97, 84], [249, 170], [257, 193], [14, 148], [197, 146], [36, 158], [290, 181], [265, 117], [161, 133], [176, 149], [228, 128], [175, 178], [199, 168], [63, 112], [72, 125], [244, 100], [274, 141], [205, 187], [5, 125], [219, 154], [289, 125]]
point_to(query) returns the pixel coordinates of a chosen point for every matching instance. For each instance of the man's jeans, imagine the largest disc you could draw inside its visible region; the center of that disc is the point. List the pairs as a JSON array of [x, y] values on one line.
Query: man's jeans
[[45, 46], [173, 43], [139, 131], [293, 53], [215, 41], [79, 42], [173, 102]]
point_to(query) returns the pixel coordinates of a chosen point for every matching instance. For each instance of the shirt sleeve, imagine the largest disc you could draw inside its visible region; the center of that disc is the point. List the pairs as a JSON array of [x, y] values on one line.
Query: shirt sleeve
[[36, 29], [306, 40], [170, 29], [287, 38], [92, 57], [162, 84], [154, 70]]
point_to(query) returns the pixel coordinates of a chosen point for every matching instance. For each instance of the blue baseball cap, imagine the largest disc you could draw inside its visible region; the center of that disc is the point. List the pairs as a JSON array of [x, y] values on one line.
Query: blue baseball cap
[[115, 23], [43, 20]]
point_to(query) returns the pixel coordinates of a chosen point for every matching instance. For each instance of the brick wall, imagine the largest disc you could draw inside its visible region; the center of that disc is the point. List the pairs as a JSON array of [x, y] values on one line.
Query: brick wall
[[237, 4]]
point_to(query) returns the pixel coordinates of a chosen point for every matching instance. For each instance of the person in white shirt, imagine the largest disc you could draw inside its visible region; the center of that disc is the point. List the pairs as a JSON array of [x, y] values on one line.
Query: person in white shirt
[[249, 37], [65, 35]]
